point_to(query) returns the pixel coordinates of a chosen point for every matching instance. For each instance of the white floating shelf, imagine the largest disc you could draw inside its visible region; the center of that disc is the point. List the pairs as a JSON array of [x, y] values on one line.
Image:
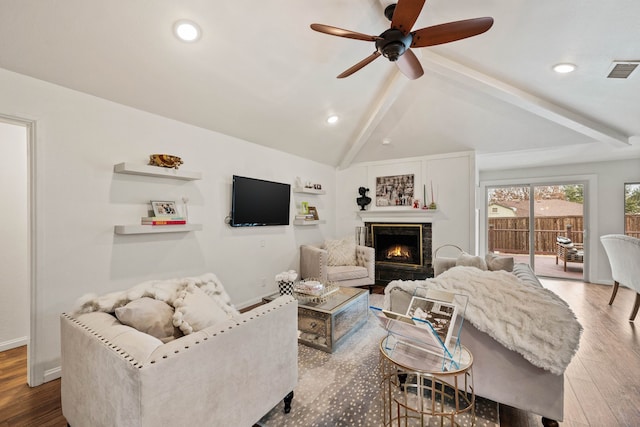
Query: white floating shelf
[[151, 229], [306, 222], [308, 190], [147, 170]]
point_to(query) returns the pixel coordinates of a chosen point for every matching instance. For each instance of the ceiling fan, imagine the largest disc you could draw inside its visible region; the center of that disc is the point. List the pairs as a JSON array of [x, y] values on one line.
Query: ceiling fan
[[395, 43]]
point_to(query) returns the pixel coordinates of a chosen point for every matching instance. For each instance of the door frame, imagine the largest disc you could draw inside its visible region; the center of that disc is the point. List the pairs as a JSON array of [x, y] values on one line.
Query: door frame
[[590, 213], [33, 378]]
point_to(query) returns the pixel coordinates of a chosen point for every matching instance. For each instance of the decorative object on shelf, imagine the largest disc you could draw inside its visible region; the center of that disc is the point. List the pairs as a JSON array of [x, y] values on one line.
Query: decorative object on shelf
[[298, 182], [164, 208], [313, 211], [416, 204], [185, 209], [317, 186], [395, 190], [432, 204], [285, 282], [363, 200], [304, 208], [165, 161]]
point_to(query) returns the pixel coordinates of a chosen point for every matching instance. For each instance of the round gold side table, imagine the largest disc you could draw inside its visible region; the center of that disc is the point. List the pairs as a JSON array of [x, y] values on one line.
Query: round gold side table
[[421, 388]]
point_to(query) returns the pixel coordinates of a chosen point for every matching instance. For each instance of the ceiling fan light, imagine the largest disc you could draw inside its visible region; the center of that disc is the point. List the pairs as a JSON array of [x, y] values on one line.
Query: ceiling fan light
[[564, 68], [187, 31]]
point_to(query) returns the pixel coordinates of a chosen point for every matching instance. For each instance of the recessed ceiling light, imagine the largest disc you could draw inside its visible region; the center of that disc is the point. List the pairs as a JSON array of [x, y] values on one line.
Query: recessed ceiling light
[[564, 68], [386, 141], [187, 31], [332, 119]]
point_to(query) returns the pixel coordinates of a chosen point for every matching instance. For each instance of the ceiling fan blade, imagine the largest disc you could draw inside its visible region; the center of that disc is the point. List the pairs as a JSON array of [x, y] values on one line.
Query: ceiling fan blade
[[450, 32], [335, 31], [359, 65], [409, 65], [406, 14]]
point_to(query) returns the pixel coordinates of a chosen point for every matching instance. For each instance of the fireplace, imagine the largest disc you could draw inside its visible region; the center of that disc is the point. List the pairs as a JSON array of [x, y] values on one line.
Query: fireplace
[[403, 251]]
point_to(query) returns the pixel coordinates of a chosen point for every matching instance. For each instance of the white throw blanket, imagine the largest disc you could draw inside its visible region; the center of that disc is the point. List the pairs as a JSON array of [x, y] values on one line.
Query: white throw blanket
[[530, 320], [163, 290]]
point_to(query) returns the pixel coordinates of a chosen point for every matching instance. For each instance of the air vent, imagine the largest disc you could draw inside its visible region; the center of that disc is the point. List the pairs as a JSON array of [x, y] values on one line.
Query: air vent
[[622, 69]]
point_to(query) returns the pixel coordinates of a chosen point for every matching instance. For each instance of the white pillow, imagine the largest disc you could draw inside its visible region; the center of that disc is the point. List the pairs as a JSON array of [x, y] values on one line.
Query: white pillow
[[341, 252], [194, 310], [148, 315], [497, 262], [471, 261]]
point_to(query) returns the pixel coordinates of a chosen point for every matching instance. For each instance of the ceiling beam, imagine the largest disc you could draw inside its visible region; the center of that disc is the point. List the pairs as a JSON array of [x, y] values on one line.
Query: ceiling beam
[[379, 108], [455, 71]]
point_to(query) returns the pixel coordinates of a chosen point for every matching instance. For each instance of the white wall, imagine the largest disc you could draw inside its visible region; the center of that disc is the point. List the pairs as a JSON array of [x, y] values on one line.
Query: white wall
[[607, 200], [14, 281], [79, 199], [453, 179]]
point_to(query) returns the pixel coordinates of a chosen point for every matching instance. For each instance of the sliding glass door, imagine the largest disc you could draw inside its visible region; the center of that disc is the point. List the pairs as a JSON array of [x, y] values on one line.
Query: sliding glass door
[[542, 225]]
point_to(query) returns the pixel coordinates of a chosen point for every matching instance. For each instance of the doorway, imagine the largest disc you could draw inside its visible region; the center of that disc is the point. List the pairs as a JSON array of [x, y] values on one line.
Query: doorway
[[15, 232], [539, 224]]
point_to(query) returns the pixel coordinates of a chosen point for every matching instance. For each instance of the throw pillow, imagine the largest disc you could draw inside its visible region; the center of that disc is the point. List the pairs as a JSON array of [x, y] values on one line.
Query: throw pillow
[[148, 315], [497, 262], [194, 310], [341, 252], [471, 261]]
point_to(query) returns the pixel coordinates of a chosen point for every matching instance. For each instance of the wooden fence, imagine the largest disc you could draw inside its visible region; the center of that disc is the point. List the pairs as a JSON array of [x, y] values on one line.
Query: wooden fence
[[511, 235], [632, 225]]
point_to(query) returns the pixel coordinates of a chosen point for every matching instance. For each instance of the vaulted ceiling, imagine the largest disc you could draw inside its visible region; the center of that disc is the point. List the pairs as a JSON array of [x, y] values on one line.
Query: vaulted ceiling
[[261, 74]]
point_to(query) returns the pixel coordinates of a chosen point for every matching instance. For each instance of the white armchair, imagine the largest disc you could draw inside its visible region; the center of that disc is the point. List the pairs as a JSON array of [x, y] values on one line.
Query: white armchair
[[624, 257], [315, 262]]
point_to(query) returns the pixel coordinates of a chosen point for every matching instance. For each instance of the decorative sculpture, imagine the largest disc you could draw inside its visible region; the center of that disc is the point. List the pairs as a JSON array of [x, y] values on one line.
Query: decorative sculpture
[[363, 200], [165, 161]]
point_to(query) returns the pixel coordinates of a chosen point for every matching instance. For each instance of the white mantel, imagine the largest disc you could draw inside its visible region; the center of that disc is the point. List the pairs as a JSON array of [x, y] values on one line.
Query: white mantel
[[401, 215]]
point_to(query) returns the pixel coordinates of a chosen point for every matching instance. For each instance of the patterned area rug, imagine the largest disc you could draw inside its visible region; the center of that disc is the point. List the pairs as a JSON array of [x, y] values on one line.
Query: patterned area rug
[[343, 388]]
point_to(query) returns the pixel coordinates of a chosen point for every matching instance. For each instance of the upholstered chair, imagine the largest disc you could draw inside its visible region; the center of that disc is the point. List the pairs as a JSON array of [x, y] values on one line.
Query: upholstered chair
[[624, 257], [339, 261]]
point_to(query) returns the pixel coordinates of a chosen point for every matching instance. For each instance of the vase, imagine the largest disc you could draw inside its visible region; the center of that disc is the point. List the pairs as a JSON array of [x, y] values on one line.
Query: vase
[[285, 288]]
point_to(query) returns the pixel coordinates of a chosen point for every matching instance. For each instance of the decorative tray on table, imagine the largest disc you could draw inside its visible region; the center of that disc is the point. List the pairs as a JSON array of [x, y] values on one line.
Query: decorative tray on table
[[314, 289]]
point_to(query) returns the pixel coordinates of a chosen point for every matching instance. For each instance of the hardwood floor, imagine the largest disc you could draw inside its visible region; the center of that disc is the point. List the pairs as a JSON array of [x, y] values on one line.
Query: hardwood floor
[[21, 405], [601, 383]]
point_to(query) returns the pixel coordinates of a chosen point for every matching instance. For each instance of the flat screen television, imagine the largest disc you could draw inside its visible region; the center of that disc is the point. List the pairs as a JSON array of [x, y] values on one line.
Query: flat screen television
[[256, 202]]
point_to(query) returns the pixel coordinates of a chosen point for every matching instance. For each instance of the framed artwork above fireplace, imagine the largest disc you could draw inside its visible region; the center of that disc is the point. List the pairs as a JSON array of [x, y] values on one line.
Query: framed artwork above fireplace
[[395, 190]]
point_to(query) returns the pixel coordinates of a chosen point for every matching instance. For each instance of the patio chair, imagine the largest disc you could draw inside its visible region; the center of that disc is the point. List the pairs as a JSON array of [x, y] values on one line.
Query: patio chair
[[568, 251]]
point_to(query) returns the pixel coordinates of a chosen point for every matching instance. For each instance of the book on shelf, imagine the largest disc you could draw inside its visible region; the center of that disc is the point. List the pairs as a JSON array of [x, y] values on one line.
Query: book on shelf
[[306, 217], [436, 315], [160, 220]]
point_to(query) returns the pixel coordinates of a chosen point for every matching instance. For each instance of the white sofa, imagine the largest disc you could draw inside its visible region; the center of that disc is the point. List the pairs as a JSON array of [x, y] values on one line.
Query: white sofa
[[229, 374], [500, 374]]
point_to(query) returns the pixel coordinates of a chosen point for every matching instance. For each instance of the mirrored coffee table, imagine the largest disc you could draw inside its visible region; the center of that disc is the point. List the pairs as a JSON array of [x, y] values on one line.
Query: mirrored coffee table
[[325, 323]]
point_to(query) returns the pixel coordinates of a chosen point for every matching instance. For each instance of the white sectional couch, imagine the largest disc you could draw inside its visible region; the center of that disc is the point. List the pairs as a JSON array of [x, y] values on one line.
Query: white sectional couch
[[500, 374]]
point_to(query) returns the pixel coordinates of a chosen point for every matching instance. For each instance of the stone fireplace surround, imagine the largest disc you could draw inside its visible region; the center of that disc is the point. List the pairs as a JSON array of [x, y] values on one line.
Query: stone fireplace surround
[[402, 224]]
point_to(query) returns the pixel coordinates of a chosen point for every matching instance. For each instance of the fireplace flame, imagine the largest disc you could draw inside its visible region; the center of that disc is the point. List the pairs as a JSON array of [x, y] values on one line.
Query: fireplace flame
[[398, 251]]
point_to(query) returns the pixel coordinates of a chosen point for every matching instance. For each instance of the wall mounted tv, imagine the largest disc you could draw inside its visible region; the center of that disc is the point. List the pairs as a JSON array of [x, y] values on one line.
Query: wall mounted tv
[[256, 202]]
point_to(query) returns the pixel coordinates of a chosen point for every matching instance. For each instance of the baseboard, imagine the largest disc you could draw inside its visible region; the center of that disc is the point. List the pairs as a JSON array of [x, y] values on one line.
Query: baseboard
[[52, 374], [18, 342]]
